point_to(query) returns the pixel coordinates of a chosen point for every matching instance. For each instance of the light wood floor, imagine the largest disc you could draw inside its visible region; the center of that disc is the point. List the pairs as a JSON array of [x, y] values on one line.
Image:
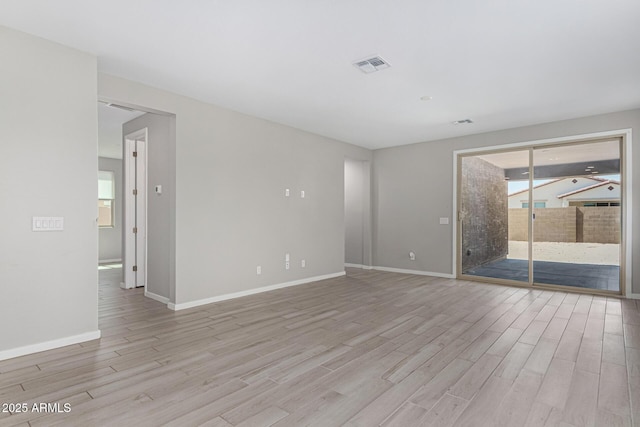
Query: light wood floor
[[369, 349]]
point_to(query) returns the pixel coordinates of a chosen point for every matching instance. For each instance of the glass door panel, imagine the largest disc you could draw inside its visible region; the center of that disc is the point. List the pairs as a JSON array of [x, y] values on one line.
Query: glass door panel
[[494, 226], [576, 215]]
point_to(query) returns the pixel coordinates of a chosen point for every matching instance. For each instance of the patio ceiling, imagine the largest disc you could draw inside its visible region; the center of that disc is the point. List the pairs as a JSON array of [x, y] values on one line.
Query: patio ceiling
[[590, 159]]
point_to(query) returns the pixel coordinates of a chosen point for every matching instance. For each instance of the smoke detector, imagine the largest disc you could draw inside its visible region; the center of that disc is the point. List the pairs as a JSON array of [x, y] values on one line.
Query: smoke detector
[[372, 64]]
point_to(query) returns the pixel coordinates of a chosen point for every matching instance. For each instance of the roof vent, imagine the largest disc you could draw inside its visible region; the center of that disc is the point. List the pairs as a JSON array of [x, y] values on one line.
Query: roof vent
[[371, 65], [463, 122]]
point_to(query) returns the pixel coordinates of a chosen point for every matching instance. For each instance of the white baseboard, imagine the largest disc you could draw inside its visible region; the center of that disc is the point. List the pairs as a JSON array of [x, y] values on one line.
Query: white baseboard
[[418, 272], [225, 297], [631, 295], [49, 345], [156, 297], [364, 267]]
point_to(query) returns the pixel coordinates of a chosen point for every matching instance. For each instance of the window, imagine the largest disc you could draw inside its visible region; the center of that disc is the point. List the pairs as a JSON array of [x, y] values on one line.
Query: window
[[597, 204], [535, 204], [106, 196]]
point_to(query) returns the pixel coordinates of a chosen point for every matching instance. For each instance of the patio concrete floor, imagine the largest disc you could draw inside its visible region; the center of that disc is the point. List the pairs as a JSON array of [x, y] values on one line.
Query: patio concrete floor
[[592, 276]]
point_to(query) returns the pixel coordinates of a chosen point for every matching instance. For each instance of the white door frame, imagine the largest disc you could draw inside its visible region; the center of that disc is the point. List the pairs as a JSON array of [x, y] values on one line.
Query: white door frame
[[626, 175], [135, 214]]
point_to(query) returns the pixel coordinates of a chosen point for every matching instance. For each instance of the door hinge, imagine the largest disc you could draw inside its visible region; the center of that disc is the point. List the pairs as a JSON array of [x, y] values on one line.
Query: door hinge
[[135, 191], [135, 268], [135, 154], [135, 230]]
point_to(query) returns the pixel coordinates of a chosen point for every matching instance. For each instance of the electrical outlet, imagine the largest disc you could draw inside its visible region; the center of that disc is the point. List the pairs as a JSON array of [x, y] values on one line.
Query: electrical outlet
[[258, 270], [412, 256], [287, 265], [303, 263]]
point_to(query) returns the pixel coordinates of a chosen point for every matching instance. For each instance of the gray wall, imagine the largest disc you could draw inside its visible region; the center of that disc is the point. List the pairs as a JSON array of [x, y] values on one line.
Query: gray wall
[[110, 239], [484, 209], [48, 167], [160, 209], [357, 212], [413, 186], [230, 211]]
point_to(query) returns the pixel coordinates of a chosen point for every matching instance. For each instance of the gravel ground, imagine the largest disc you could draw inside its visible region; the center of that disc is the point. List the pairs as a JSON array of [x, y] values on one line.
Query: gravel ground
[[580, 253]]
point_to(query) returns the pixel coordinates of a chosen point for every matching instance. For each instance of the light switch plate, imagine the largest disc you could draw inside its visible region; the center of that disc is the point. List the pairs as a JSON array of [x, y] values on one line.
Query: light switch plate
[[444, 221], [48, 223]]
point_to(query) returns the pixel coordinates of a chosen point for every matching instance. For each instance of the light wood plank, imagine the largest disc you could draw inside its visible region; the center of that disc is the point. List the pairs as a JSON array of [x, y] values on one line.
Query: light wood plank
[[366, 349], [582, 402]]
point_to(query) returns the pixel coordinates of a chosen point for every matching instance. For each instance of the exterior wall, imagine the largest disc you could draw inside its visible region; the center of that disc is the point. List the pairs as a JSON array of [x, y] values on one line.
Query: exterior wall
[[555, 225], [601, 193], [601, 225], [484, 213], [548, 193], [570, 224], [518, 227]]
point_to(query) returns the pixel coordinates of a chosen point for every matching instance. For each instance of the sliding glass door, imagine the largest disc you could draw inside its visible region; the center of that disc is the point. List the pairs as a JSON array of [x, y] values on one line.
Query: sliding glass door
[[576, 215], [542, 215], [491, 247]]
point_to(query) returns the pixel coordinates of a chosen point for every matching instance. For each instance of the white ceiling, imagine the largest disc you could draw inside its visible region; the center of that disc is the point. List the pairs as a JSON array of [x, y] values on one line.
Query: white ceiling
[[502, 63]]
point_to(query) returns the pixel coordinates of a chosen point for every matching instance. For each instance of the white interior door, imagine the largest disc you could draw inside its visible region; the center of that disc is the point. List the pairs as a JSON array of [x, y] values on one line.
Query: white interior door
[[135, 217]]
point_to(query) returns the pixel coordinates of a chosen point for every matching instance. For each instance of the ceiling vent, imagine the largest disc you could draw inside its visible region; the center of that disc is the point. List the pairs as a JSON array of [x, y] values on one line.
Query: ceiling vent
[[371, 65], [112, 105], [463, 122]]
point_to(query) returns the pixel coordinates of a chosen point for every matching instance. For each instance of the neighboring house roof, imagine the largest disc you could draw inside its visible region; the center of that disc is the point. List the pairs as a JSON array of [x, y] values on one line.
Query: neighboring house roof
[[537, 186], [595, 178], [591, 187]]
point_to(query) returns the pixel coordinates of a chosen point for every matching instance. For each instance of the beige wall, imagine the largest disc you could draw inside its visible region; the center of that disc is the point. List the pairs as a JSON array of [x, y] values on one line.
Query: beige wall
[[161, 166], [230, 211], [413, 187], [48, 167]]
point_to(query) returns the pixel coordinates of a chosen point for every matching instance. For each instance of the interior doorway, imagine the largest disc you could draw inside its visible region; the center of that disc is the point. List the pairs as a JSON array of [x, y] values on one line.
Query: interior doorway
[[111, 118], [135, 209], [544, 215], [357, 213]]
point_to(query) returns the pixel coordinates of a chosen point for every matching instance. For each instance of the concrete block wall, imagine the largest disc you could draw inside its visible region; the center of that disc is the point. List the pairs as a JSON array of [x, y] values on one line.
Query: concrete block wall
[[555, 224], [570, 224], [601, 224]]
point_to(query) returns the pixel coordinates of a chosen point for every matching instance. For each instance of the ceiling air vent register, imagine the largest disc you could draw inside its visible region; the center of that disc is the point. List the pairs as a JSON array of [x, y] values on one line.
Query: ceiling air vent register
[[371, 65], [463, 122]]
